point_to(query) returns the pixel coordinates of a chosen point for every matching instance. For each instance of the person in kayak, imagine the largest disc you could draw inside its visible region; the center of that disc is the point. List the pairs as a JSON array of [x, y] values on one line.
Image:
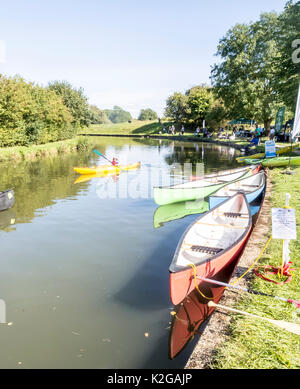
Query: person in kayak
[[115, 161]]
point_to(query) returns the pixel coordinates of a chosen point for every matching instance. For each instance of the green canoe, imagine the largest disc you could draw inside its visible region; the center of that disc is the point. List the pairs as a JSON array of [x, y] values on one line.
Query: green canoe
[[199, 189], [276, 161], [169, 212]]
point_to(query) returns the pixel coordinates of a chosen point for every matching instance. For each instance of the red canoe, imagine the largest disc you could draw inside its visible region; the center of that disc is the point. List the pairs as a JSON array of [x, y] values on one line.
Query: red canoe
[[212, 242]]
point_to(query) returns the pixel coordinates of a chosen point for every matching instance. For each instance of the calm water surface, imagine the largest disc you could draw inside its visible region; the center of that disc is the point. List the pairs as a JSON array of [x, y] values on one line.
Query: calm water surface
[[85, 279]]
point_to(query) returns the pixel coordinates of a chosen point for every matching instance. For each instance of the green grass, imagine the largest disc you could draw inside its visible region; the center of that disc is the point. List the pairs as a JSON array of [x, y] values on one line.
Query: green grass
[[256, 344], [135, 127], [35, 151]]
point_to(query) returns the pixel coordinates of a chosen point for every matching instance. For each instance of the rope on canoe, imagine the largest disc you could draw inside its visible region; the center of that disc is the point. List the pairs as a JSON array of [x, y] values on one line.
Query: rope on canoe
[[256, 260], [286, 271], [243, 275], [196, 284]]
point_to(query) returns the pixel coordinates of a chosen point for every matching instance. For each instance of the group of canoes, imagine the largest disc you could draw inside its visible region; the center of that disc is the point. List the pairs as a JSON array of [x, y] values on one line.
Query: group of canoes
[[279, 161], [218, 236]]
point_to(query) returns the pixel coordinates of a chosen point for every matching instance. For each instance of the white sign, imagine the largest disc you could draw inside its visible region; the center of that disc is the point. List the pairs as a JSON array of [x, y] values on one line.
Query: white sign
[[283, 223], [270, 148]]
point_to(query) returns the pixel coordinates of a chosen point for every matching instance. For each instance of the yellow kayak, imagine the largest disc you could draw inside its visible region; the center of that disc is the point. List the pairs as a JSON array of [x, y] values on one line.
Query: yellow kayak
[[282, 150], [106, 168]]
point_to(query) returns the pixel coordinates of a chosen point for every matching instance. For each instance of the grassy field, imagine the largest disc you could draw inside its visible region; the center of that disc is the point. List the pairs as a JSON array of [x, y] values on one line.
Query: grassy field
[[135, 127], [256, 344]]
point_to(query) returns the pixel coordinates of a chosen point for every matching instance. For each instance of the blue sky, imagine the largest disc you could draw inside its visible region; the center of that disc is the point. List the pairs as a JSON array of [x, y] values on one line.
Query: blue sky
[[128, 53]]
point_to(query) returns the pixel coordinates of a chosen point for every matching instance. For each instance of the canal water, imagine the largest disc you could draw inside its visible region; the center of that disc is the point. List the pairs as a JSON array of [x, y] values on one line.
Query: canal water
[[84, 271]]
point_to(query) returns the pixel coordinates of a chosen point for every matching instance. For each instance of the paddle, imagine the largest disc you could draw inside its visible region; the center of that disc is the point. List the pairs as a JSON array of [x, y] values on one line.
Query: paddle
[[291, 327], [291, 301], [101, 155]]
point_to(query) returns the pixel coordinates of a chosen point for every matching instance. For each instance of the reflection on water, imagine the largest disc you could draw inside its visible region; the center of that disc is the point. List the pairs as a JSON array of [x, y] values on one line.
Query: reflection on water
[[7, 219], [83, 278], [169, 212], [193, 312]]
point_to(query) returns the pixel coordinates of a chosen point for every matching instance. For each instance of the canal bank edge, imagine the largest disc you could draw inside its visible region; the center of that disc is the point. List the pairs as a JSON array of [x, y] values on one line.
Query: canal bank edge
[[216, 330], [18, 153], [176, 137]]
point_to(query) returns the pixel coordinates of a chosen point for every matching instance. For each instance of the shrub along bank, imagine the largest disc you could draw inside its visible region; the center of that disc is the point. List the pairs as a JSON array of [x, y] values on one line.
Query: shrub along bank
[[31, 114]]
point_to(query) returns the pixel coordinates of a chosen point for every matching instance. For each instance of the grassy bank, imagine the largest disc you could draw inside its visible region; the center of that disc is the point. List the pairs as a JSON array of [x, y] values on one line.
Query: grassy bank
[[35, 151], [138, 127], [253, 343]]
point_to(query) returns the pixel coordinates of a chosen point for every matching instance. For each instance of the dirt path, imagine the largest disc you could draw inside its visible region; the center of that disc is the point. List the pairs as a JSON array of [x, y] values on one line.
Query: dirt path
[[215, 332]]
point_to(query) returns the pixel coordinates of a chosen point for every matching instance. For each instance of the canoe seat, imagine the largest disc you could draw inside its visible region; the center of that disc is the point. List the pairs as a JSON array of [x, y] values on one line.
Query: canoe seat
[[250, 185], [232, 214], [205, 249]]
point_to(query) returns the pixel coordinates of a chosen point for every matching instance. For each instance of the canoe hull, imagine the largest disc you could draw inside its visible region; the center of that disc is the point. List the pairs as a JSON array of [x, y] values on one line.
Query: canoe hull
[[182, 283], [276, 161], [216, 200], [163, 196], [178, 193], [212, 242], [280, 151], [229, 171], [107, 169], [7, 199]]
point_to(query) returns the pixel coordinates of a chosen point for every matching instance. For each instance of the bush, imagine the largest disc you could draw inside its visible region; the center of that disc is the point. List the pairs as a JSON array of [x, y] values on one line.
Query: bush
[[147, 114], [74, 100], [118, 115], [30, 114], [97, 116]]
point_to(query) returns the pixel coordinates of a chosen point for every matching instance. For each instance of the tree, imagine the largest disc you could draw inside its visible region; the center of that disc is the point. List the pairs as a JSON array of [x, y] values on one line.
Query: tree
[[245, 78], [97, 116], [31, 114], [217, 114], [147, 114], [288, 39], [177, 107], [74, 100], [118, 115], [200, 99]]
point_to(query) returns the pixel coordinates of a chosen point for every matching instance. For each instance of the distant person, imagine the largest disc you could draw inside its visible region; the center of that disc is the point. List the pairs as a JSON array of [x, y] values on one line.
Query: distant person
[[198, 131], [257, 131], [232, 137], [115, 161], [182, 130], [254, 141], [272, 133]]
